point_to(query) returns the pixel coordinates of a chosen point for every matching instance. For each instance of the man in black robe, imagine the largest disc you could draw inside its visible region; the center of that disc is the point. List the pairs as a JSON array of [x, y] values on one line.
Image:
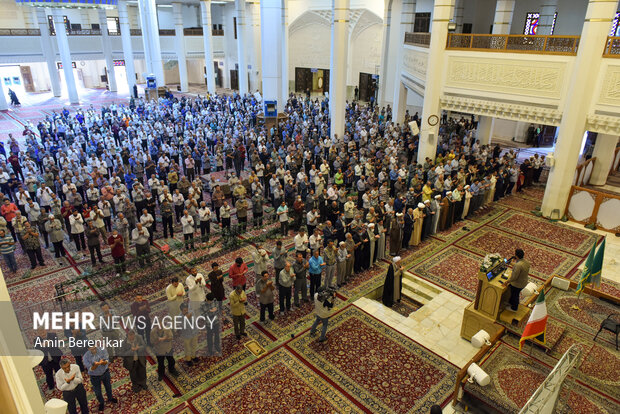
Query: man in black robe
[[393, 286], [427, 224], [408, 228]]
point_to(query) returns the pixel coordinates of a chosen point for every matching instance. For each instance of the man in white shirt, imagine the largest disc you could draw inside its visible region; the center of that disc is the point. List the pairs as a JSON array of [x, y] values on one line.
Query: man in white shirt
[[69, 380], [147, 220], [301, 242], [187, 222], [195, 291], [140, 236], [204, 213], [76, 224], [175, 293]]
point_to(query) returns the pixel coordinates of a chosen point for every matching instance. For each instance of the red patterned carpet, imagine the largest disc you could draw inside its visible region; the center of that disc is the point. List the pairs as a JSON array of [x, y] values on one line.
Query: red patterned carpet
[[378, 366], [545, 261], [277, 383], [453, 269], [572, 240], [514, 377]]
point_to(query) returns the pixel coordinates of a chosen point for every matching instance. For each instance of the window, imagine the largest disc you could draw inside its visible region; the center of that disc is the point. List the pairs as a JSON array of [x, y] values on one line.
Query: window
[[555, 17], [615, 27], [50, 24], [113, 25], [235, 26], [531, 23], [422, 23]]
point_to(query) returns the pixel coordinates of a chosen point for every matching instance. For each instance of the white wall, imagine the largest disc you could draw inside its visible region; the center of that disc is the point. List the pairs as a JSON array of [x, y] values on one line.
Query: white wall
[[366, 56]]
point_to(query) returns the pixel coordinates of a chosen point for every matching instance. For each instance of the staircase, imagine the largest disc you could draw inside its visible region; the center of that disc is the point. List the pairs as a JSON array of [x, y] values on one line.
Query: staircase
[[418, 289]]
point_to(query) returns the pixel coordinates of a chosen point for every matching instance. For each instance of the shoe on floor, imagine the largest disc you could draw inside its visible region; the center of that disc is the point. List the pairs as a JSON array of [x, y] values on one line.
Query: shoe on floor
[[112, 400], [174, 372], [322, 339], [159, 377]]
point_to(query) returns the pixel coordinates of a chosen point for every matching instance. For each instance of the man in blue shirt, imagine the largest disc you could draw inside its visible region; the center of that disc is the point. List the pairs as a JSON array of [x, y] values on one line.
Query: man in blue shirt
[[96, 360], [315, 267]]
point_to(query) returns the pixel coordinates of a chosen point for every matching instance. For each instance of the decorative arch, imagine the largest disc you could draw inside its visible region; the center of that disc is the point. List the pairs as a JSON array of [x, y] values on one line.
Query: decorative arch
[[359, 20]]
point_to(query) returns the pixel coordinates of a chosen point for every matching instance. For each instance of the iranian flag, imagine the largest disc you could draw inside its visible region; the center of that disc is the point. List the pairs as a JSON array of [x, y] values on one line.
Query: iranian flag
[[537, 324]]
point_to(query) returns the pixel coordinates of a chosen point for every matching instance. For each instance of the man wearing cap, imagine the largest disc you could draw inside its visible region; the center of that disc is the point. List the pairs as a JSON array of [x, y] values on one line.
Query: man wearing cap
[[427, 222], [418, 217]]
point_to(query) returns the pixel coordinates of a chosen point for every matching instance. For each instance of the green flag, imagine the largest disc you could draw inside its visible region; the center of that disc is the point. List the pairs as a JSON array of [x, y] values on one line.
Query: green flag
[[597, 266], [587, 271]]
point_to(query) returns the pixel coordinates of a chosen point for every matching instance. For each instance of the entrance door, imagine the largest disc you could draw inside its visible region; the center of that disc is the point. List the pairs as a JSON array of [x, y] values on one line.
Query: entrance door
[[364, 86], [234, 79], [27, 78], [303, 79], [325, 80]]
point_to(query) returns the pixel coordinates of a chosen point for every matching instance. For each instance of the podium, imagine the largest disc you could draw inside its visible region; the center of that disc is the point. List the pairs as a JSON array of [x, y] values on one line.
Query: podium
[[491, 298]]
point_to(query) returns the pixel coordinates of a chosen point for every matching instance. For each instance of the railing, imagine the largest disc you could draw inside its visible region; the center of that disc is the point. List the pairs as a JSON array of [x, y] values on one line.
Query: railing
[[135, 32], [20, 32], [418, 39], [193, 32], [166, 32], [557, 45], [583, 172], [215, 32], [85, 32], [589, 206], [612, 48]]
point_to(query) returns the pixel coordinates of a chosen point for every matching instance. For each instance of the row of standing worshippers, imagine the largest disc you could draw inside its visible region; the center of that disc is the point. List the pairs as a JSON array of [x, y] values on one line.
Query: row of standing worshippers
[[416, 225]]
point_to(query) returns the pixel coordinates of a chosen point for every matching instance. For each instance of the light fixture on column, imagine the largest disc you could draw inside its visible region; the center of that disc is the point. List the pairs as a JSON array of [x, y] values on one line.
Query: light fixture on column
[[451, 26]]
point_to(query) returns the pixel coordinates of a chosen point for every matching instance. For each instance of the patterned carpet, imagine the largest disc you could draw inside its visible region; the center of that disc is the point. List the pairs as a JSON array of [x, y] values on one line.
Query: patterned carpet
[[545, 261], [277, 383], [515, 376], [454, 269], [378, 366], [365, 366]]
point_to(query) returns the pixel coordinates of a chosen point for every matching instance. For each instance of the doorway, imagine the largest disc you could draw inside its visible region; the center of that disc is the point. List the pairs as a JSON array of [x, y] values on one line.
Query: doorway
[[234, 79], [367, 86], [315, 80]]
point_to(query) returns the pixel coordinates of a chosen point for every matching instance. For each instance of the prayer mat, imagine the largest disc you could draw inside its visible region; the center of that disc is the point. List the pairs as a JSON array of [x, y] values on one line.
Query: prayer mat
[[556, 235], [378, 366], [515, 377], [545, 261], [519, 203], [406, 306], [453, 269], [276, 383]]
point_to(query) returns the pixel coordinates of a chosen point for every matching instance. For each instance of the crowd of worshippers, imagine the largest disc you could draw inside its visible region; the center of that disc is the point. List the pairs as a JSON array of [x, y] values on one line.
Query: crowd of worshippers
[[124, 173]]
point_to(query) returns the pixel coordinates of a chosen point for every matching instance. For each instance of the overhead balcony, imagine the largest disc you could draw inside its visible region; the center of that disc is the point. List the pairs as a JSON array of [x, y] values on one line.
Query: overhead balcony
[[612, 48], [418, 39], [553, 45]]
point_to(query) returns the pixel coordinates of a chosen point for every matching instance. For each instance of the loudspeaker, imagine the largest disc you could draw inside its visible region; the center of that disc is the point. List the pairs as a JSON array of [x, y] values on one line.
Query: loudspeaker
[[560, 283]]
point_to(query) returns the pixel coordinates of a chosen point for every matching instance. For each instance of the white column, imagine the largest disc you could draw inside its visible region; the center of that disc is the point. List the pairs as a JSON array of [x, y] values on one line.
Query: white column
[[285, 79], [434, 78], [458, 15], [484, 133], [3, 101], [545, 21], [604, 151], [179, 45], [106, 44], [65, 55], [150, 38], [241, 59], [580, 92], [503, 16], [399, 103], [338, 66], [271, 50], [255, 49], [207, 37], [123, 20], [385, 51], [48, 49], [144, 29]]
